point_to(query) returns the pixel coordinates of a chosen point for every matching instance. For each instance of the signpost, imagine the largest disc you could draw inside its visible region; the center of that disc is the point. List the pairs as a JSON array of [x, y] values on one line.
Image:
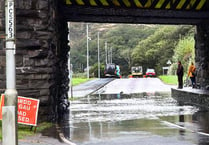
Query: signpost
[[9, 111]]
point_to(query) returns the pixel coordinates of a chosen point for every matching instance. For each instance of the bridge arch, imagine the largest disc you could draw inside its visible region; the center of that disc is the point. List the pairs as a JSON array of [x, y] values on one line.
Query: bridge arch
[[42, 45]]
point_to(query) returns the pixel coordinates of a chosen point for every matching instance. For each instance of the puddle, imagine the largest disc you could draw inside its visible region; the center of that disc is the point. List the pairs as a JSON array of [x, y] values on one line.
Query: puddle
[[98, 119]]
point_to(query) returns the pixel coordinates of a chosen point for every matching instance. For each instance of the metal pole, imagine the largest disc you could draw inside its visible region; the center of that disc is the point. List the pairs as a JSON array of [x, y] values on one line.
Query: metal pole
[[111, 55], [9, 111], [87, 51], [106, 52], [98, 56]]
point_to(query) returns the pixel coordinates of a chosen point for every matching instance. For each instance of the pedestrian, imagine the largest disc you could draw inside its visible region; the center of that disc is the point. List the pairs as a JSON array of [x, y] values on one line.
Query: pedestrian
[[192, 75], [118, 71], [180, 73]]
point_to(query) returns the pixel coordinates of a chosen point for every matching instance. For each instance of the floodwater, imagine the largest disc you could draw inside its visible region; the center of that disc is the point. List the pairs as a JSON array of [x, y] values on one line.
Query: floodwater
[[144, 118]]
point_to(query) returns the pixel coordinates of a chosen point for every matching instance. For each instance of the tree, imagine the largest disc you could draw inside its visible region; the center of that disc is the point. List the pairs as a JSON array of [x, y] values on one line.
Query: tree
[[184, 52]]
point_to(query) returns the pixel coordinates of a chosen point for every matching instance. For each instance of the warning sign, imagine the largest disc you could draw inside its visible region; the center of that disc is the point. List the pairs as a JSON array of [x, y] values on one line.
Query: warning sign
[[27, 110], [1, 105]]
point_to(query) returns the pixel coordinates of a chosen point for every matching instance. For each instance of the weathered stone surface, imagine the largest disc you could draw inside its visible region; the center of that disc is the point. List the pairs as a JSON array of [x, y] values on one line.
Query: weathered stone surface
[[29, 43], [39, 84], [198, 98], [19, 60], [45, 92], [38, 53], [24, 35], [201, 54], [31, 93], [22, 84], [2, 61], [2, 84], [43, 62], [42, 14], [34, 70], [41, 55]]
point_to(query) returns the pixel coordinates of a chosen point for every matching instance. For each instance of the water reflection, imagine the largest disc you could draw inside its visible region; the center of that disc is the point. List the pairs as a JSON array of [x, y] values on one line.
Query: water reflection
[[104, 117], [181, 122]]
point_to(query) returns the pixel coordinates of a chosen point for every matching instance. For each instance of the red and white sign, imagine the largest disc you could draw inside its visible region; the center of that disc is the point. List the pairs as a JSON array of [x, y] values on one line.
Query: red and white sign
[[27, 110], [1, 105]]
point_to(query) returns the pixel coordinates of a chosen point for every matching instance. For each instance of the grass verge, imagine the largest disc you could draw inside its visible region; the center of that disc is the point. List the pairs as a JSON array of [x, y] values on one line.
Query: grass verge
[[77, 81], [169, 79], [25, 130]]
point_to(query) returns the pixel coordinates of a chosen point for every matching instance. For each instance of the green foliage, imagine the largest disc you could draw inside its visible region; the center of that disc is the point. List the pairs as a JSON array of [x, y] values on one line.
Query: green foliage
[[94, 70], [150, 46], [157, 49], [184, 52]]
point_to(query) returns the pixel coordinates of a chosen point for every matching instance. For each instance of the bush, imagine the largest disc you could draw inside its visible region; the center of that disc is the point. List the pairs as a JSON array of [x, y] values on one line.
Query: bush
[[94, 70]]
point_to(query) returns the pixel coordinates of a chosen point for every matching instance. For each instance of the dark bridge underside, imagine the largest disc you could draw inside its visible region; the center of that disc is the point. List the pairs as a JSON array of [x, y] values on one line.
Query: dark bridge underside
[[137, 11], [121, 15]]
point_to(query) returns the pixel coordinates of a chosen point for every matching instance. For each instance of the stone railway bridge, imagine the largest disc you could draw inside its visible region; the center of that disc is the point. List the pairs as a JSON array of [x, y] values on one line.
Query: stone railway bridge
[[42, 40]]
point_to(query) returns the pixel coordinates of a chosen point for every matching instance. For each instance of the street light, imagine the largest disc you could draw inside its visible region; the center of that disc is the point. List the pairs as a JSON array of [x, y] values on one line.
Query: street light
[[87, 51], [98, 55], [106, 52]]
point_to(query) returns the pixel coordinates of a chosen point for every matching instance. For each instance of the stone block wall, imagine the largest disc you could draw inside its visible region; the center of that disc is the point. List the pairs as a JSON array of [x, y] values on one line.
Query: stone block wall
[[202, 54], [41, 55], [198, 98]]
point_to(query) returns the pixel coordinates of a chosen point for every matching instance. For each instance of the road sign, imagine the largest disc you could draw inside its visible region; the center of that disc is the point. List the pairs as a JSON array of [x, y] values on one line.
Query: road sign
[[27, 110]]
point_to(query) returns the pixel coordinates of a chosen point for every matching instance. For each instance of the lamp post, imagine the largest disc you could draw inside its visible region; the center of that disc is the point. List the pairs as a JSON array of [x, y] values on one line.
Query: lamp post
[[110, 54], [105, 52], [87, 51], [9, 111], [98, 55]]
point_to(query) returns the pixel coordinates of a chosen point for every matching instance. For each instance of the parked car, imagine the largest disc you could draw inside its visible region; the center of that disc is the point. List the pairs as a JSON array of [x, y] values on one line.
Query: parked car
[[150, 73], [136, 71], [112, 70]]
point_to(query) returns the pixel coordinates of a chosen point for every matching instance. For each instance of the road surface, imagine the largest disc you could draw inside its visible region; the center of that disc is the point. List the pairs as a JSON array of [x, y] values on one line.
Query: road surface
[[136, 112]]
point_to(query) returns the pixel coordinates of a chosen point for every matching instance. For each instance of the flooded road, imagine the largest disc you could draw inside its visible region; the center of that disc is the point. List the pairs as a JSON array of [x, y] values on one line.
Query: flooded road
[[151, 117]]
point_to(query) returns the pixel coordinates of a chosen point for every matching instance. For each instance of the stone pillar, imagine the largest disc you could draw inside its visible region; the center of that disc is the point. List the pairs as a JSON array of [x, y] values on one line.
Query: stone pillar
[[41, 55], [202, 54]]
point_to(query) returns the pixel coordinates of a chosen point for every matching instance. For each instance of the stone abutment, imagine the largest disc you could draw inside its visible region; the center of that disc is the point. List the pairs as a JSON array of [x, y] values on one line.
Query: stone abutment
[[41, 55], [202, 54]]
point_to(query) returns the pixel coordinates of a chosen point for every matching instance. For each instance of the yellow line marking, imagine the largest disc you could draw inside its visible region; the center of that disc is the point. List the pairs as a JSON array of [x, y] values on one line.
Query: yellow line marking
[[148, 4], [80, 2], [104, 2], [138, 4], [159, 4], [93, 3], [116, 3], [68, 2], [200, 5], [168, 5], [180, 5], [191, 4], [127, 3]]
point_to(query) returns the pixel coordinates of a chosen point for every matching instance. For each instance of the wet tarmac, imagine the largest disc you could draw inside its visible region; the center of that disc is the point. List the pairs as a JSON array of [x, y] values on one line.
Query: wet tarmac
[[151, 117]]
